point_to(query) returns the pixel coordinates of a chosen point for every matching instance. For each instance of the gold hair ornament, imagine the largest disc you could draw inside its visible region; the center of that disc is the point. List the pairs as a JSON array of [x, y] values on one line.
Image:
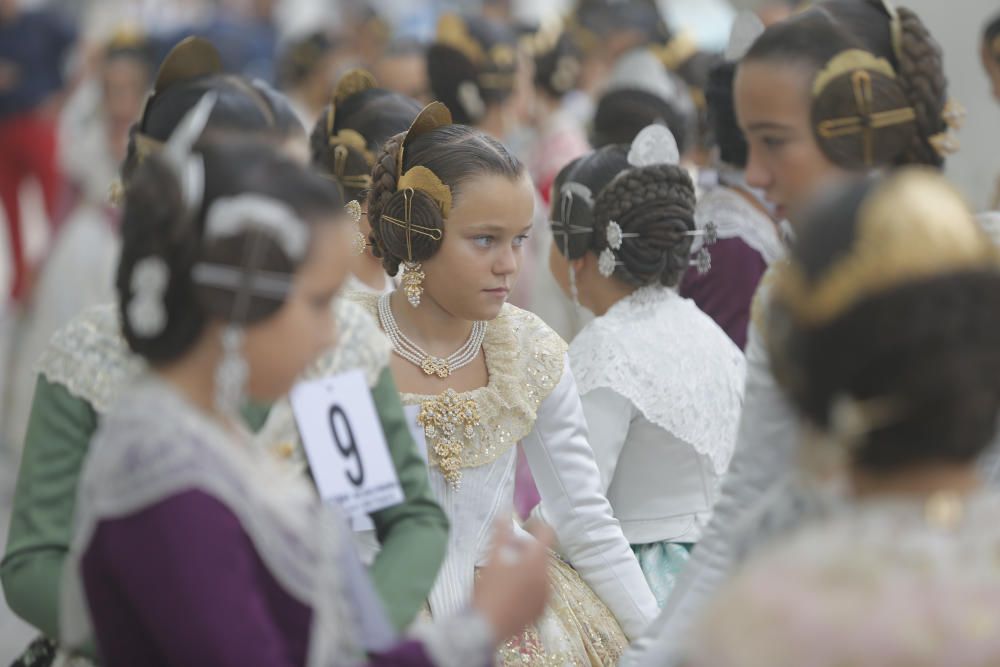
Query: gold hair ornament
[[677, 51], [912, 227], [859, 65], [895, 28], [193, 57], [433, 116], [352, 83], [453, 32]]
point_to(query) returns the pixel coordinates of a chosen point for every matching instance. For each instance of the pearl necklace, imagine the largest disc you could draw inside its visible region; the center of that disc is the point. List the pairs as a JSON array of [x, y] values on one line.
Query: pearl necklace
[[410, 351]]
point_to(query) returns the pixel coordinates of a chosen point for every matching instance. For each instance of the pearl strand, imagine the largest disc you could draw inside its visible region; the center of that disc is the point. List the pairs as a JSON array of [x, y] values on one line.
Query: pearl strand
[[430, 365]]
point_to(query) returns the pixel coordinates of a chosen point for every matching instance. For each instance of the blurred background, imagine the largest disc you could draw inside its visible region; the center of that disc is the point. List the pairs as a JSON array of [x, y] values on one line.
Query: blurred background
[[64, 124]]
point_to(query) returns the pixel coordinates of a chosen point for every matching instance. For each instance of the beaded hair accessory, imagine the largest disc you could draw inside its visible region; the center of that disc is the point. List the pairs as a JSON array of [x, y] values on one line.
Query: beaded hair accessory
[[654, 145], [352, 83]]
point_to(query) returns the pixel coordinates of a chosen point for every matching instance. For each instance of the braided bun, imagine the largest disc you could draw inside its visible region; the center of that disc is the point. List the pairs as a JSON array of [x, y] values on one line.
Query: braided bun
[[921, 74], [388, 240], [656, 203]]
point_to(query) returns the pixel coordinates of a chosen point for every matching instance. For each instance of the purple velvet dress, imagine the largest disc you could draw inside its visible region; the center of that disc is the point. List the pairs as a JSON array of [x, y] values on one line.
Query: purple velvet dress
[[726, 292], [179, 583]]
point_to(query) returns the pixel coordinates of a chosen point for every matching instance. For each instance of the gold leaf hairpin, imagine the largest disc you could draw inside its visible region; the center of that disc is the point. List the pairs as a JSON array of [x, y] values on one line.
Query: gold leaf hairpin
[[433, 116]]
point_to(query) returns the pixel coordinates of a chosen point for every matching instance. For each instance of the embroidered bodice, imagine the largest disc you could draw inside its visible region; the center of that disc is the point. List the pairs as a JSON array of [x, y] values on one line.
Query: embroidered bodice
[[530, 398]]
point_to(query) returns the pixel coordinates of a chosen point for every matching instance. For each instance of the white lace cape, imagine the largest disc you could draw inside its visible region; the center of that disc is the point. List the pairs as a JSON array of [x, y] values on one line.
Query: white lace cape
[[735, 217], [672, 362], [154, 445], [90, 358]]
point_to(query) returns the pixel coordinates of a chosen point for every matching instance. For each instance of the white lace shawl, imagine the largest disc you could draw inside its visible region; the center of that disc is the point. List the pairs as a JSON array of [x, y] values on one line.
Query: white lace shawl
[[154, 445], [735, 217], [91, 359], [672, 362]]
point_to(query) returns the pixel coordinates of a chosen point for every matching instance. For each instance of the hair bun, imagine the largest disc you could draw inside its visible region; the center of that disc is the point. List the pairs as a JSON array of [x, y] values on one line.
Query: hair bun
[[860, 113]]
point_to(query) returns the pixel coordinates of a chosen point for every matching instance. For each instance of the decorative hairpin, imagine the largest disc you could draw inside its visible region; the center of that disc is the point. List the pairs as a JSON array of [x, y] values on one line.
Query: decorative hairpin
[[654, 145], [342, 142], [146, 312], [860, 65], [360, 242], [453, 32], [607, 261]]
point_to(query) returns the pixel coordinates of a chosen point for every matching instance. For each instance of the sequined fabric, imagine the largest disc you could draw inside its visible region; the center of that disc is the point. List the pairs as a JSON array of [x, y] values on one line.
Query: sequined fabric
[[576, 628]]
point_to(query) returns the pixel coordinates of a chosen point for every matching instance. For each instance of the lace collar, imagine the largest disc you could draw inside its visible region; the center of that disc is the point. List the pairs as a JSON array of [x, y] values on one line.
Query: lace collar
[[735, 217], [675, 365], [89, 356], [525, 360]]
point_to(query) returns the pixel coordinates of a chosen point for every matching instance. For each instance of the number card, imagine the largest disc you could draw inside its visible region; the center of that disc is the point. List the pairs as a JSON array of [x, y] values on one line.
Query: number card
[[345, 445]]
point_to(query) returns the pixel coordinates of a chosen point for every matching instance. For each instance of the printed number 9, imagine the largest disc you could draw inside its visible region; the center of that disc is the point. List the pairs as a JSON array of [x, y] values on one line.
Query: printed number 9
[[351, 448]]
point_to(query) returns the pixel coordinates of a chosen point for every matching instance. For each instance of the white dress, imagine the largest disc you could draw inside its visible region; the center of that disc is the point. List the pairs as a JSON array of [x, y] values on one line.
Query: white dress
[[661, 386], [531, 398], [892, 581]]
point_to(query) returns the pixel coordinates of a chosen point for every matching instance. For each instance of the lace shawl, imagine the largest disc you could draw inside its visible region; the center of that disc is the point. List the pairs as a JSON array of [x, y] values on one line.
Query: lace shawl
[[153, 445], [89, 356], [735, 217], [525, 361], [673, 363]]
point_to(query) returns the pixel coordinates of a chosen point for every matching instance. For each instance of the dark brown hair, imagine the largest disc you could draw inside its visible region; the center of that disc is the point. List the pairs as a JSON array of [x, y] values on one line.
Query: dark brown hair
[[456, 154]]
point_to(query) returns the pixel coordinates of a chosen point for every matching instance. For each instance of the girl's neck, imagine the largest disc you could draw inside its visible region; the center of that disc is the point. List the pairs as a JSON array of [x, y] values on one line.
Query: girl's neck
[[193, 375], [494, 123], [607, 293], [430, 326], [371, 272]]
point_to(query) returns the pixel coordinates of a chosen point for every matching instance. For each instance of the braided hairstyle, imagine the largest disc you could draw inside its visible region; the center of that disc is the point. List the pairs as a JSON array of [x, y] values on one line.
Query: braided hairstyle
[[456, 154], [157, 223], [654, 202], [376, 114], [930, 345], [817, 35], [467, 87], [242, 108]]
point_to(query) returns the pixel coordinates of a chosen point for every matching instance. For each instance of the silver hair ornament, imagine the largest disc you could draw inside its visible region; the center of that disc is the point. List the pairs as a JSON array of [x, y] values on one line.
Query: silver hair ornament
[[146, 311]]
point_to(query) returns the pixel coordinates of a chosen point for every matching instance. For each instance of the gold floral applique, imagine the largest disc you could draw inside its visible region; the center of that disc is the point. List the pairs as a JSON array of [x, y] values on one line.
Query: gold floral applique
[[449, 422]]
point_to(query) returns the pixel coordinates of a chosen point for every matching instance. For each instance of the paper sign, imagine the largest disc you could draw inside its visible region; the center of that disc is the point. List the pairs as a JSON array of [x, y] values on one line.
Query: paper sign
[[344, 442]]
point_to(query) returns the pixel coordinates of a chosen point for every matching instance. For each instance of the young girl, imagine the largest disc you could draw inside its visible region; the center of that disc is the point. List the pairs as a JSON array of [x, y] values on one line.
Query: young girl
[[661, 384], [841, 89], [472, 68], [87, 365], [749, 237], [344, 142], [452, 208], [884, 337], [190, 545]]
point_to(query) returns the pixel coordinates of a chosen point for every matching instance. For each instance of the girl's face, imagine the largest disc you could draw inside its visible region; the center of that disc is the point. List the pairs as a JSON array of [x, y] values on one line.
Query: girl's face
[[773, 108], [281, 347], [481, 253], [991, 63]]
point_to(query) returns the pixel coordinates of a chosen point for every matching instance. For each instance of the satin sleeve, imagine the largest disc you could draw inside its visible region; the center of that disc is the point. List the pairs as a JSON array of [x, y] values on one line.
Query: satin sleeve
[[569, 483], [609, 415]]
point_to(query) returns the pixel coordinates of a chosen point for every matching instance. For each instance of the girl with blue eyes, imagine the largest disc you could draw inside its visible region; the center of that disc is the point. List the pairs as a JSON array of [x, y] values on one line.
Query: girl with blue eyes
[[451, 209]]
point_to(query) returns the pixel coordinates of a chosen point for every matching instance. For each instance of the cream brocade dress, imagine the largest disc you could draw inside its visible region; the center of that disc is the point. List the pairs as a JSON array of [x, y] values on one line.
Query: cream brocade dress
[[531, 398]]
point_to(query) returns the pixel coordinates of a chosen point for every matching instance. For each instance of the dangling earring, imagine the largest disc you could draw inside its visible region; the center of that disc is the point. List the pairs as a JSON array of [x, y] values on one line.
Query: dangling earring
[[572, 286], [232, 373], [359, 243], [413, 282]]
